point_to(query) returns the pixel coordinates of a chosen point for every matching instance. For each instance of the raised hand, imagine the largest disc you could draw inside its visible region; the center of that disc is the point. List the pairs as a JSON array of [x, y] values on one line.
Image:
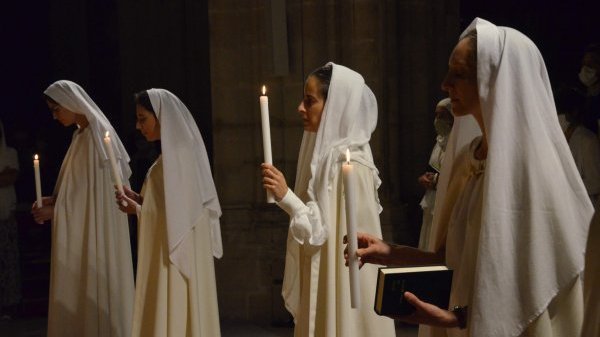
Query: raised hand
[[274, 181]]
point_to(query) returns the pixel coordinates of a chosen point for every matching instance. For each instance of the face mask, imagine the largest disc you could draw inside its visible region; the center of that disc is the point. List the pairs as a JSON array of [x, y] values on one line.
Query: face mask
[[562, 120], [588, 76], [442, 126]]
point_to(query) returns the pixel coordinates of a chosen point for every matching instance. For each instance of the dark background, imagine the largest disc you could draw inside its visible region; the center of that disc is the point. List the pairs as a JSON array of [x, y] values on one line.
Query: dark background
[[113, 49]]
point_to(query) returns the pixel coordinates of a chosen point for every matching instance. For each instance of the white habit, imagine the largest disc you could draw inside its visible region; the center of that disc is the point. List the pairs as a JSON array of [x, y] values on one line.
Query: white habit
[[179, 232], [316, 287], [515, 225], [91, 276]]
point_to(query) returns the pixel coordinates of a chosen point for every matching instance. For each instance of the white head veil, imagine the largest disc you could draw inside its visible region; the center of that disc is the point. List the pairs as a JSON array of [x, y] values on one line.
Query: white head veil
[[535, 209], [189, 186], [348, 120], [72, 97]]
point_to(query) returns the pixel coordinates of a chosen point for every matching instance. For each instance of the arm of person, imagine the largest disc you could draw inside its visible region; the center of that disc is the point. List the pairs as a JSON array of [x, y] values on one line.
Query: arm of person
[[132, 205], [44, 213], [305, 219], [8, 176], [373, 250]]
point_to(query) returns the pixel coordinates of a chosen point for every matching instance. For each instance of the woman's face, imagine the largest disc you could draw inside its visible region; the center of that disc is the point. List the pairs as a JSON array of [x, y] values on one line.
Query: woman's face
[[63, 115], [147, 123], [311, 107], [461, 80]]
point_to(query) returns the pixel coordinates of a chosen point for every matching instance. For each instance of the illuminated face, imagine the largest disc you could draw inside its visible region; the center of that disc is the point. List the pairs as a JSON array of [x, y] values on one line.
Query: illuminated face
[[311, 107], [147, 123], [65, 116], [461, 80]]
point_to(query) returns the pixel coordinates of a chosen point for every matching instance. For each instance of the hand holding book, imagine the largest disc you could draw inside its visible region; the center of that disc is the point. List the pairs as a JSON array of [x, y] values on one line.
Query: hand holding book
[[428, 314]]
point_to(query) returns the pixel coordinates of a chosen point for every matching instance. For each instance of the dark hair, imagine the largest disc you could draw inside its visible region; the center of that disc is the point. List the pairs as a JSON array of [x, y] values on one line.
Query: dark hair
[[323, 75], [49, 99], [143, 99]]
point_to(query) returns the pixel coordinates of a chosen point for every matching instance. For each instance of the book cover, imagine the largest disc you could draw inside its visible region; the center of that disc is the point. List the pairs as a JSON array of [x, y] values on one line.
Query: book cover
[[430, 284]]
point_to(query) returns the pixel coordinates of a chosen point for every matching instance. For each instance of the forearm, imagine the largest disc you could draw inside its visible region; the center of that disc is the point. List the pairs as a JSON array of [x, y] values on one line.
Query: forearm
[[409, 256]]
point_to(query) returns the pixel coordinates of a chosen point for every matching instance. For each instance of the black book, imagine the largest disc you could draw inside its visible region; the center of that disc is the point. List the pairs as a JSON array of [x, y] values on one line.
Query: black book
[[430, 284]]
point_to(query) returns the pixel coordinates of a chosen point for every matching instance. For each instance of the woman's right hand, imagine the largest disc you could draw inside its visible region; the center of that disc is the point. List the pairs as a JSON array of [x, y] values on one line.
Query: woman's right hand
[[44, 213], [427, 180], [132, 195], [126, 204], [370, 250]]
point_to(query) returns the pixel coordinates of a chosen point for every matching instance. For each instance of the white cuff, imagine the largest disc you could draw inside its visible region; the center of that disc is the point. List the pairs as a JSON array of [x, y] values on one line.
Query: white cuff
[[291, 204]]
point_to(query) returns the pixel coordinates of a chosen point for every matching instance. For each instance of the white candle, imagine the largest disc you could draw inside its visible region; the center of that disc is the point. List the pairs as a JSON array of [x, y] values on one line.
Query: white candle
[[38, 181], [350, 198], [113, 164], [266, 134]]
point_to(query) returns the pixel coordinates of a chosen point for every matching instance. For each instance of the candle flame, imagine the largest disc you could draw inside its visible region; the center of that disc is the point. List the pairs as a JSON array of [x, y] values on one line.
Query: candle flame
[[347, 156], [264, 90], [35, 157], [106, 134]]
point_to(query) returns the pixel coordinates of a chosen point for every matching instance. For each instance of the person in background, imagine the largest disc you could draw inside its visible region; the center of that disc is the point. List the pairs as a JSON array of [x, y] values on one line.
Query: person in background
[[589, 77], [584, 144], [10, 283], [443, 125]]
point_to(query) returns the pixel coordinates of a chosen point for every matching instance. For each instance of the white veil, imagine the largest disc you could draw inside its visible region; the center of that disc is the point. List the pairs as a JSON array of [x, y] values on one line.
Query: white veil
[[189, 186], [71, 96]]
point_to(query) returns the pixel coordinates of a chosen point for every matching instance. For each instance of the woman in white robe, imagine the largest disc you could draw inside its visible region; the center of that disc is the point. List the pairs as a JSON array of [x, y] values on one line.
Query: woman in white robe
[[513, 212], [91, 276], [339, 113], [178, 228]]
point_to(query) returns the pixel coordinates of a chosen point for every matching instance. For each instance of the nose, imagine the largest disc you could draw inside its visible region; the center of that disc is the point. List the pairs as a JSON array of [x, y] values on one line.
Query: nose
[[301, 109], [446, 83], [138, 126], [54, 116]]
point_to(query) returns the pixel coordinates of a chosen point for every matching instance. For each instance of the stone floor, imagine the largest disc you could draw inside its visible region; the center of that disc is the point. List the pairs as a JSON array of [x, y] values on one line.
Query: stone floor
[[36, 327]]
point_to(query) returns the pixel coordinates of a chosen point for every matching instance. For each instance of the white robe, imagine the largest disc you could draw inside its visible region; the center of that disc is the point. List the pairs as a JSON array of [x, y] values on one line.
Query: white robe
[[323, 282], [563, 315], [91, 278], [166, 303], [591, 282], [428, 201]]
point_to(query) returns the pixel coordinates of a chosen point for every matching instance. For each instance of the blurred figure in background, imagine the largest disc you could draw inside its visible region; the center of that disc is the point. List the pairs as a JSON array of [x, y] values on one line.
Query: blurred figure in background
[[10, 285]]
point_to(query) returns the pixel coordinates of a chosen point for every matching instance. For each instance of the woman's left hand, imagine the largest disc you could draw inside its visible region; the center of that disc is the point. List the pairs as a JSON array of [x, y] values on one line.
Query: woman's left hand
[[427, 314], [274, 181]]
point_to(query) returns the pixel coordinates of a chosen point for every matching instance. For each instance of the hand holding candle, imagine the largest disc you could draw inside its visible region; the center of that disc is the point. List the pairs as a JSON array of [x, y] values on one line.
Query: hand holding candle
[[266, 134], [113, 164], [350, 199], [38, 182]]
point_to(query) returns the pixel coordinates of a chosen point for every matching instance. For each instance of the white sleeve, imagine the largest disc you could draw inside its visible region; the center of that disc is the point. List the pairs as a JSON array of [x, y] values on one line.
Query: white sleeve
[[305, 219]]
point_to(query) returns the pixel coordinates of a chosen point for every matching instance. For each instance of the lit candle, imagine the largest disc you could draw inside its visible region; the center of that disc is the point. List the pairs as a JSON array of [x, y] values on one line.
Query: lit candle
[[350, 198], [38, 182], [113, 164], [266, 134]]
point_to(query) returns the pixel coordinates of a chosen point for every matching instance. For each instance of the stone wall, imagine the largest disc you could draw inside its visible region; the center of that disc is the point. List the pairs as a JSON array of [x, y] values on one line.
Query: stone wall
[[400, 47]]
